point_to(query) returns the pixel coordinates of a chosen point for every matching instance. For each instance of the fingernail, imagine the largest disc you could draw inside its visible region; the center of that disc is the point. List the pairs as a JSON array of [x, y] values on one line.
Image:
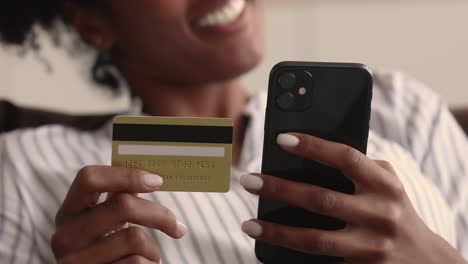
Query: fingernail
[[152, 180], [181, 229], [251, 182], [252, 228], [287, 140]]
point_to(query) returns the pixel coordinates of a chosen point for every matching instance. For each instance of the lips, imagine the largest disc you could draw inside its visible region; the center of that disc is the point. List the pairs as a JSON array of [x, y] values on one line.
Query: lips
[[223, 15]]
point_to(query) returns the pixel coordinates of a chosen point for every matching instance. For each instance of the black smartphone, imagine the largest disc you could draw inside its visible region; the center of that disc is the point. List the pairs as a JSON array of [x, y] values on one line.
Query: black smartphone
[[327, 100]]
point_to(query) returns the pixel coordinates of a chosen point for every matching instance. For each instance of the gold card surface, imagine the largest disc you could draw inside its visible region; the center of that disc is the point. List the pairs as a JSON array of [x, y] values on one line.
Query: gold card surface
[[191, 154]]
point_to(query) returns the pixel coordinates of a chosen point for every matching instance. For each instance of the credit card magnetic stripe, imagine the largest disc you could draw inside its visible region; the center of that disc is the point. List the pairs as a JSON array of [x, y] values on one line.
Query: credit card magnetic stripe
[[172, 133]]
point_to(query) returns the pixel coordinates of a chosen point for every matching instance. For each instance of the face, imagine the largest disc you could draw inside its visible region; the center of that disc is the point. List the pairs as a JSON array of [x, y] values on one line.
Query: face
[[186, 41]]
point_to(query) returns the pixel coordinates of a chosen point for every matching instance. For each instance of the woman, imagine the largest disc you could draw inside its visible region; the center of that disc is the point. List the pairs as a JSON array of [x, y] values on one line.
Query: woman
[[185, 58]]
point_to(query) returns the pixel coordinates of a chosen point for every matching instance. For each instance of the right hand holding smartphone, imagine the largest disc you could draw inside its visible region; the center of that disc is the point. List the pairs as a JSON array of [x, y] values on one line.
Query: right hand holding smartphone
[[383, 226]]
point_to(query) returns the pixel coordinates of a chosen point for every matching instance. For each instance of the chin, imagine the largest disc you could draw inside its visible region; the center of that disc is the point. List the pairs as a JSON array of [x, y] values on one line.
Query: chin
[[233, 61], [220, 67], [238, 66]]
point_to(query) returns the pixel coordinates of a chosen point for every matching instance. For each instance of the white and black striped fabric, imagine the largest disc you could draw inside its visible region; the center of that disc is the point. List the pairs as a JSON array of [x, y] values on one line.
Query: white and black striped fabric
[[411, 128]]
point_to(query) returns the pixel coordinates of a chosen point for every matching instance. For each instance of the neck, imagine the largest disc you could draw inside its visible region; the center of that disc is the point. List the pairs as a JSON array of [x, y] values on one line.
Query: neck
[[224, 100], [213, 100]]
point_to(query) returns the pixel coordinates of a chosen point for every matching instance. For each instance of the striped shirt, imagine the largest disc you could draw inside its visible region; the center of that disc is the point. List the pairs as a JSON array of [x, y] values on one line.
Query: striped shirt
[[410, 127]]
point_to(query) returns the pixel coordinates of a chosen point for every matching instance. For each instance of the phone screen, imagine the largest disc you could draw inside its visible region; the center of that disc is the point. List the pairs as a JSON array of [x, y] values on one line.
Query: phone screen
[[327, 100]]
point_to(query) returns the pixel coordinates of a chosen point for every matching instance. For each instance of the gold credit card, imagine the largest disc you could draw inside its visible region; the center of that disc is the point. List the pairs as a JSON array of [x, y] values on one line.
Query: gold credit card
[[191, 154]]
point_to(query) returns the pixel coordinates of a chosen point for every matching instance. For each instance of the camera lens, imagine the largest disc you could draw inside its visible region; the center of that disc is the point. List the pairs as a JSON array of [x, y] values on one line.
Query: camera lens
[[287, 80], [285, 101]]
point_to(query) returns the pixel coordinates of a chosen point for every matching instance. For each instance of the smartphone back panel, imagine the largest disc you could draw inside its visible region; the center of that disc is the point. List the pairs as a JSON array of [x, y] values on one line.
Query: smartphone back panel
[[328, 100]]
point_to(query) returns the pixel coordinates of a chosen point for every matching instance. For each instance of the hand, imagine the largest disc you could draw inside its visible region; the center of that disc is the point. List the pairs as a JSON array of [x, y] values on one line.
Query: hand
[[87, 232], [383, 226]]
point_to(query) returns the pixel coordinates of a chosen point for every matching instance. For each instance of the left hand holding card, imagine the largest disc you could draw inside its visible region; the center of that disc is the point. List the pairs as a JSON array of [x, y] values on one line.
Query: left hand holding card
[[191, 154], [82, 224]]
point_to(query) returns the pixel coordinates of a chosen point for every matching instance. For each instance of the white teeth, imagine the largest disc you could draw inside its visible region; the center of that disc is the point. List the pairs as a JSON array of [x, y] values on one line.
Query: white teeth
[[224, 15]]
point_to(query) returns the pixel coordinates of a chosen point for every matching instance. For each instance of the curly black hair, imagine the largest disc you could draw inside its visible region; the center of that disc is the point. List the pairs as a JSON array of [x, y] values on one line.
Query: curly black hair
[[17, 21]]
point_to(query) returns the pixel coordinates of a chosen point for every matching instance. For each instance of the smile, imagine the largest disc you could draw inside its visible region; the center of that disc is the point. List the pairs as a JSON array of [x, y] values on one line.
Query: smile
[[223, 15]]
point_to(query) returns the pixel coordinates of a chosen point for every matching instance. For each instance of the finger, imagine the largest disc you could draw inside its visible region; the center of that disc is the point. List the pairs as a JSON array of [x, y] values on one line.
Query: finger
[[356, 210], [386, 165], [128, 242], [94, 180], [135, 260], [310, 197], [111, 196], [109, 216], [311, 241], [351, 162]]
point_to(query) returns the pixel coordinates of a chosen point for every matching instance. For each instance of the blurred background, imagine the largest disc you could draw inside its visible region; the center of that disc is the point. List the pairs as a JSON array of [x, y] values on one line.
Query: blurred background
[[427, 39]]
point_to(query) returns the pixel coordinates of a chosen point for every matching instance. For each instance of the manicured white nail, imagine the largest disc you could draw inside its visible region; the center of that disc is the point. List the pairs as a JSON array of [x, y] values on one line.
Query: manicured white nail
[[287, 140], [152, 180], [251, 182], [181, 229], [252, 228]]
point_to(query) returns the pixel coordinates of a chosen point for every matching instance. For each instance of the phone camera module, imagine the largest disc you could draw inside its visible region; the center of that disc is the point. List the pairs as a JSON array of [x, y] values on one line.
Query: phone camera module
[[285, 101], [287, 80]]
